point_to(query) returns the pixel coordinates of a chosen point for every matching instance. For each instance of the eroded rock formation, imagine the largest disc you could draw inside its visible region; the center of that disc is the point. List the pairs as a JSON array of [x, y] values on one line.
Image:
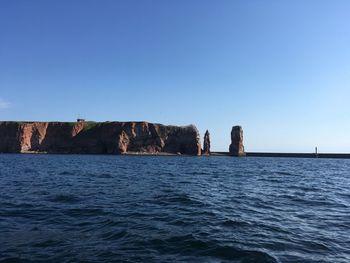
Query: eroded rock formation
[[237, 147], [206, 143], [98, 138]]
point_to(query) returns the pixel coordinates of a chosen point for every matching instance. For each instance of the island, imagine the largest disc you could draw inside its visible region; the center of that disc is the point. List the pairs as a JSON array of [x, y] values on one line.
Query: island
[[88, 137], [98, 138]]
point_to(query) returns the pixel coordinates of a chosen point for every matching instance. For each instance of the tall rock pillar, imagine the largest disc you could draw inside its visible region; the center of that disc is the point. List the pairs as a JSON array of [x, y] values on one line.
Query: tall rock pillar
[[206, 143], [237, 147]]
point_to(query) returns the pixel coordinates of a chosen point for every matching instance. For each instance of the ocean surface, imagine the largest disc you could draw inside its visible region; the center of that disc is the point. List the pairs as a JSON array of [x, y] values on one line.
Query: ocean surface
[[88, 208]]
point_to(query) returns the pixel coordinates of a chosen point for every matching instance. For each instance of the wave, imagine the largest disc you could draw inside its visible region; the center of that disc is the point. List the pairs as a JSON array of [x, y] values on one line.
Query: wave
[[114, 235], [190, 245], [178, 199], [67, 173], [84, 212], [64, 198], [235, 223]]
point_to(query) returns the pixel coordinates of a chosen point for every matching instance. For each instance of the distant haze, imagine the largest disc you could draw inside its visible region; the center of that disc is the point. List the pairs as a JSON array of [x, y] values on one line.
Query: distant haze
[[280, 69]]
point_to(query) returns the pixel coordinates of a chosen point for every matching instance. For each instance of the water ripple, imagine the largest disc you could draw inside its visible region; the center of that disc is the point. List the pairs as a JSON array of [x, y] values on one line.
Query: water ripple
[[71, 208]]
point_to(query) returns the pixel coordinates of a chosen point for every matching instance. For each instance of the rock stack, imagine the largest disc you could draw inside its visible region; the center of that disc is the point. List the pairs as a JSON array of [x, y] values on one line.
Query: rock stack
[[237, 147], [206, 143]]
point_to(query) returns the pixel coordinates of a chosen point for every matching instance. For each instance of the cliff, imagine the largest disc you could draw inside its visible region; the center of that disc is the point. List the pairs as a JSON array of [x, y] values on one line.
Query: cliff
[[236, 146], [98, 138]]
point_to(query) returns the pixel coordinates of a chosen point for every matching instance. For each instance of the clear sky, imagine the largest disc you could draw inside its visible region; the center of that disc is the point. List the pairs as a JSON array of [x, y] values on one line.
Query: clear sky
[[281, 69]]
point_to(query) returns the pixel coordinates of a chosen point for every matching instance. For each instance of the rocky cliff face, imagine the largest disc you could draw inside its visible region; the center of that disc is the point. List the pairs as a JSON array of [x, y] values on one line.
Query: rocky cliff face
[[206, 143], [98, 138], [236, 147]]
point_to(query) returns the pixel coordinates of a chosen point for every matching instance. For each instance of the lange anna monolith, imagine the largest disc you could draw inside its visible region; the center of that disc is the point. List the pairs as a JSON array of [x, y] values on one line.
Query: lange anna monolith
[[237, 147]]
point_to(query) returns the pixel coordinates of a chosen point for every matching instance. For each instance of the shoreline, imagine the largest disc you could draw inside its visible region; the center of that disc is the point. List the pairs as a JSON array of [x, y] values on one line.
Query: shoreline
[[212, 154]]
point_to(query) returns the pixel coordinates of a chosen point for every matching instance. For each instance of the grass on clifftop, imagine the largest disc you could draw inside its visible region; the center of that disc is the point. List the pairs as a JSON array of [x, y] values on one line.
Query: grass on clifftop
[[90, 124]]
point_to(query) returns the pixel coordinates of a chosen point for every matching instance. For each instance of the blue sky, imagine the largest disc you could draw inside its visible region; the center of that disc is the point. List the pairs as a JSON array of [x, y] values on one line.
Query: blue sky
[[281, 69]]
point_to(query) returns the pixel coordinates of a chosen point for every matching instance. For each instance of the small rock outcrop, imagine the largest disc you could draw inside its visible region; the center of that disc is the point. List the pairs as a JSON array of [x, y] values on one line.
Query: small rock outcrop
[[237, 147], [98, 138], [206, 143]]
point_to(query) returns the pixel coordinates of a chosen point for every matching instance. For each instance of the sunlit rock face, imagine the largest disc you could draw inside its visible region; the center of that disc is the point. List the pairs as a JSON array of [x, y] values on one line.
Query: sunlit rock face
[[237, 147], [98, 138]]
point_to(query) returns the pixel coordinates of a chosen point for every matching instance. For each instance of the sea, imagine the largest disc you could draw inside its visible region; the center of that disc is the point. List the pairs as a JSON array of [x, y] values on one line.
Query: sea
[[106, 208]]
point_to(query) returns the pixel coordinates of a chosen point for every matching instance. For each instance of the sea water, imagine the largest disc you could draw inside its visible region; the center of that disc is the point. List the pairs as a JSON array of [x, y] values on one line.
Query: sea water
[[89, 208]]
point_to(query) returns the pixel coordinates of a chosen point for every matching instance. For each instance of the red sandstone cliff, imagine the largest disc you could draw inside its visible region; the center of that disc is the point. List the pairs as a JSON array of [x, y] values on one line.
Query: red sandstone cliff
[[236, 146], [98, 138]]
